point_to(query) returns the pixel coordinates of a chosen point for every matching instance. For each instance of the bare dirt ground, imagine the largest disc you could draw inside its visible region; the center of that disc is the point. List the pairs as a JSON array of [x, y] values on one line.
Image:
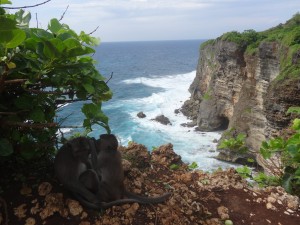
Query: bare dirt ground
[[32, 195]]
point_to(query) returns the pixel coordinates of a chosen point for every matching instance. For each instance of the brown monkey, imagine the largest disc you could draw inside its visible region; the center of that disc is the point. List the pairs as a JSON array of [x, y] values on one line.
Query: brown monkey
[[72, 160], [109, 167]]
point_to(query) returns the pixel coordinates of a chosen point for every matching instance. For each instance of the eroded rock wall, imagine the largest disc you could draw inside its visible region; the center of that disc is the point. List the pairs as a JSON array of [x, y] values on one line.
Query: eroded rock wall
[[233, 89]]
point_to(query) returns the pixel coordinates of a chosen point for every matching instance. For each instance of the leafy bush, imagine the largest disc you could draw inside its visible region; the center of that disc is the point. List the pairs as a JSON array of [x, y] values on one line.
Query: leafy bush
[[236, 144], [39, 71], [290, 155], [286, 174]]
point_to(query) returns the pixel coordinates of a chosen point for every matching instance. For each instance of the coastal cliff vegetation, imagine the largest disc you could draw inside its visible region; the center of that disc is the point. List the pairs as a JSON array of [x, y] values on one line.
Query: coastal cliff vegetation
[[262, 73], [287, 35]]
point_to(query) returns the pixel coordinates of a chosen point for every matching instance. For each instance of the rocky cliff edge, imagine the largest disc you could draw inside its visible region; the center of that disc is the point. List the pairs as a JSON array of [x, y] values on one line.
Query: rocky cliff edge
[[247, 89]]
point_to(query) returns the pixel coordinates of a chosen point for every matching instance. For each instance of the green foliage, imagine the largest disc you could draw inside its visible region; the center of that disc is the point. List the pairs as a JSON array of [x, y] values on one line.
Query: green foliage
[[39, 71], [247, 38], [261, 179], [174, 167], [244, 172], [193, 166], [295, 110], [290, 152], [206, 43], [154, 148], [286, 39], [236, 144], [265, 180]]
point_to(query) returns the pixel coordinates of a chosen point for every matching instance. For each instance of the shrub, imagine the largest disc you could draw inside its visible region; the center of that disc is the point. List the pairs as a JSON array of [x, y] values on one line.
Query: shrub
[[39, 71]]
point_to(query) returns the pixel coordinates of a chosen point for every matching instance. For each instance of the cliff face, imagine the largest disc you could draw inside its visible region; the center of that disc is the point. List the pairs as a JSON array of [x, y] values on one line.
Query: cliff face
[[236, 90]]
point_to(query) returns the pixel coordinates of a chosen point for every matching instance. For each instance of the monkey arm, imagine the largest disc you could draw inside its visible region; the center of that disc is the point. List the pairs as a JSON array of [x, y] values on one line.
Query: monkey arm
[[94, 156]]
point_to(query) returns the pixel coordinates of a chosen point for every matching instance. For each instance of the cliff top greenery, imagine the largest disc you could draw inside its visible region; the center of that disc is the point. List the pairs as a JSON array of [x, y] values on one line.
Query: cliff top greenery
[[287, 35]]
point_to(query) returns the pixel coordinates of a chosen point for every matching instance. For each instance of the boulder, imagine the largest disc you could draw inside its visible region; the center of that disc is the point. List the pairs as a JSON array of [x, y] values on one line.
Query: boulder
[[141, 115], [163, 120]]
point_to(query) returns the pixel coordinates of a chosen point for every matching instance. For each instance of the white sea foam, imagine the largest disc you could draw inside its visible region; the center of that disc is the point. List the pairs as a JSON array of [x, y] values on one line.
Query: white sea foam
[[191, 145]]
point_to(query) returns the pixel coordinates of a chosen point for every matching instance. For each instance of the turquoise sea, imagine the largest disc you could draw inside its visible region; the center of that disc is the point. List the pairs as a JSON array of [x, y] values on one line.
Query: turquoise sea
[[152, 77]]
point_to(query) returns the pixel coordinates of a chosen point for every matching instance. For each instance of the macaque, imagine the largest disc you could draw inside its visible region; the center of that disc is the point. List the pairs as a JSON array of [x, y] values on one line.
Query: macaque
[[92, 171], [109, 167], [90, 180], [72, 160]]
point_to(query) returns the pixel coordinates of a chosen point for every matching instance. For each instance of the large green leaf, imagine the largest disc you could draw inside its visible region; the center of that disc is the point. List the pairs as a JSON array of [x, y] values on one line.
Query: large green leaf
[[7, 24], [89, 88], [12, 38], [287, 182], [23, 18], [74, 48], [37, 115], [296, 124], [6, 148], [40, 34], [54, 26], [53, 48], [3, 2], [24, 102]]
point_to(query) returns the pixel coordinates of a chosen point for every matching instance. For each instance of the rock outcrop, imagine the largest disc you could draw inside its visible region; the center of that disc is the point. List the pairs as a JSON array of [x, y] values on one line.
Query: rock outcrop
[[163, 120], [141, 115], [235, 89]]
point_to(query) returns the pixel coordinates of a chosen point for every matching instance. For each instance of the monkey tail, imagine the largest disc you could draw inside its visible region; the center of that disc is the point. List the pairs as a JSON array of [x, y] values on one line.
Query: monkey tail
[[147, 200], [104, 205], [90, 205], [134, 198]]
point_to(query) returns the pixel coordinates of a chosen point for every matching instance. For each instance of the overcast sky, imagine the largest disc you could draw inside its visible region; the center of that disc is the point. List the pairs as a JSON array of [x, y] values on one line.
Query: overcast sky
[[140, 20]]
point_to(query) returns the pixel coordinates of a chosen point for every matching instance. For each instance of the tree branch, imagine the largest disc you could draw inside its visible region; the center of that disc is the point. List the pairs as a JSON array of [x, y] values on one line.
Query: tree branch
[[15, 81], [62, 16], [94, 30], [37, 21], [111, 75], [29, 6]]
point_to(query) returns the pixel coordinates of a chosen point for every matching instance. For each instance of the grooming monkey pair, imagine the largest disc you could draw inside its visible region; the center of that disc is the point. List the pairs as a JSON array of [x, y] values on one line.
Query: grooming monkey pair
[[92, 170]]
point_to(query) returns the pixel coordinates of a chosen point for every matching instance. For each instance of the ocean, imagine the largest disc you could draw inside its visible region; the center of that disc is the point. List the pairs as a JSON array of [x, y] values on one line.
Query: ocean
[[152, 77]]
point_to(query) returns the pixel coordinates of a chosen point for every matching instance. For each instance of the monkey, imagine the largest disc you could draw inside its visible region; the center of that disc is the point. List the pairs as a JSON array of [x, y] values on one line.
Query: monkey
[[96, 186], [72, 160], [90, 180], [109, 168]]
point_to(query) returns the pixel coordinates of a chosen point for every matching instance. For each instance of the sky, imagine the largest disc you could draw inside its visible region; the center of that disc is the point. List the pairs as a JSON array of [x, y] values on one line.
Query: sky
[[145, 20]]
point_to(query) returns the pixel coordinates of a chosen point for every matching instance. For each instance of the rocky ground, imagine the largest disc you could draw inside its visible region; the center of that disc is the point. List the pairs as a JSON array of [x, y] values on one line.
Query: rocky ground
[[34, 196]]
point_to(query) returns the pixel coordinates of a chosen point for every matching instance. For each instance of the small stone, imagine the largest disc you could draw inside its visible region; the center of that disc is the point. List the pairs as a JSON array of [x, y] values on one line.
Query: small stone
[[259, 200], [223, 212], [269, 221], [74, 207], [290, 211], [30, 221], [25, 190], [269, 205], [271, 199], [44, 188]]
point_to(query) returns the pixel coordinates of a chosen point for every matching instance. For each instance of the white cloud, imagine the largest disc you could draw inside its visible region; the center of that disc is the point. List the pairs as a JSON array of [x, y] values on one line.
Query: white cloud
[[165, 19]]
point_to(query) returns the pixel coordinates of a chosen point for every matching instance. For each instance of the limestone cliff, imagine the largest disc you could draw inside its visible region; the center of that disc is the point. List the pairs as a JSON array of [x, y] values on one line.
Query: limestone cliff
[[247, 91]]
